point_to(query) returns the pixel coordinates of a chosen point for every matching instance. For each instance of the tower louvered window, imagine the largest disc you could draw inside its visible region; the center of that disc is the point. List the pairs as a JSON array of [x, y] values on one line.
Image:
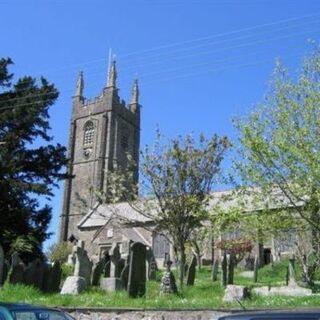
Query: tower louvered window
[[88, 134]]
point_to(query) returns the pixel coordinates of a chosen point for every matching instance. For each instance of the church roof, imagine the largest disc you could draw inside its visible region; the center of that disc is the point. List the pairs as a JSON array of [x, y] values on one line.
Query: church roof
[[248, 200], [101, 213]]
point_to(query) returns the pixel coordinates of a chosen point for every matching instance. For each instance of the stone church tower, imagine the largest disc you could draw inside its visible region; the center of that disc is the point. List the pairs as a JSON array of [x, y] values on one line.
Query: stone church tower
[[102, 132]]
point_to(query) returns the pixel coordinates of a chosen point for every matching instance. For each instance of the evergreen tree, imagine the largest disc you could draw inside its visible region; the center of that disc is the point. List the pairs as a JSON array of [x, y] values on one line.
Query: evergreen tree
[[30, 166]]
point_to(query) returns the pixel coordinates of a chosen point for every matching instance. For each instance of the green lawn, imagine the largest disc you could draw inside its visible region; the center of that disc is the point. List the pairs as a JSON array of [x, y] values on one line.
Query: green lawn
[[204, 294]]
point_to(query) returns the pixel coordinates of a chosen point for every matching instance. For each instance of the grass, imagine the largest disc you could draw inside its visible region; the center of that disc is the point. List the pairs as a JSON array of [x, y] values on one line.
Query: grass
[[204, 294]]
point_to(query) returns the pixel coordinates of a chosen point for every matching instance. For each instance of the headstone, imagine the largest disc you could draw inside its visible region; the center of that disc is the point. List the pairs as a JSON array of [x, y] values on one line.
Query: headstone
[[168, 281], [113, 282], [73, 285], [231, 265], [115, 257], [83, 264], [249, 263], [97, 271], [224, 268], [152, 269], [255, 269], [2, 278], [192, 271], [215, 269], [52, 278], [291, 273], [16, 269], [106, 271], [137, 270], [34, 273], [235, 293], [125, 276]]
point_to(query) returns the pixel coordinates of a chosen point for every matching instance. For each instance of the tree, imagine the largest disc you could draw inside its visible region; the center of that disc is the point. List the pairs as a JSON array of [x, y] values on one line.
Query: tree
[[30, 166], [176, 182], [280, 150]]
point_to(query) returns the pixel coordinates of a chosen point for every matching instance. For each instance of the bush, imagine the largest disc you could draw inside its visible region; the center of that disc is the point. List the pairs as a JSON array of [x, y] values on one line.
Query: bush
[[59, 252]]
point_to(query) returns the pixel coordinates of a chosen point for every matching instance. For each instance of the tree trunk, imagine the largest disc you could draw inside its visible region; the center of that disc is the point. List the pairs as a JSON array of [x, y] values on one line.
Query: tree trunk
[[182, 263]]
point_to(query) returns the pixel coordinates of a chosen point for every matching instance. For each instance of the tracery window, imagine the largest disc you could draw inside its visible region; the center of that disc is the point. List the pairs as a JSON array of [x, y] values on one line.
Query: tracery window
[[88, 133]]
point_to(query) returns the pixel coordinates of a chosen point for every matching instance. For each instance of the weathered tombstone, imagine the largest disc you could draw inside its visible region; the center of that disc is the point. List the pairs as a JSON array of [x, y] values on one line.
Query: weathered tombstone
[[106, 271], [97, 271], [224, 268], [52, 277], [234, 293], [215, 269], [231, 265], [255, 269], [125, 276], [73, 285], [291, 273], [249, 263], [16, 269], [152, 269], [113, 282], [115, 257], [1, 266], [192, 271], [137, 270], [33, 274], [168, 281], [83, 264]]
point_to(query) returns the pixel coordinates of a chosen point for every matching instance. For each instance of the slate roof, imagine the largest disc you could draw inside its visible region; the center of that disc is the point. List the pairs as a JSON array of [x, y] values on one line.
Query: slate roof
[[220, 200]]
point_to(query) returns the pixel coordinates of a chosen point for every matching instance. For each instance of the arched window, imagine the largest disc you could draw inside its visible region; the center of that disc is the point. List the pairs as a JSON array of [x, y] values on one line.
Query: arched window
[[88, 133]]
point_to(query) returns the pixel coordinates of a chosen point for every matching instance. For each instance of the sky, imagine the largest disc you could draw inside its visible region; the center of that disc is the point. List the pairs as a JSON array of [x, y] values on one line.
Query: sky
[[200, 63]]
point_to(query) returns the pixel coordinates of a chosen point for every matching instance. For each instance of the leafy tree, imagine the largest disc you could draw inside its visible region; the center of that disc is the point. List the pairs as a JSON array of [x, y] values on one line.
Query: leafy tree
[[175, 186], [29, 165], [280, 151], [59, 252]]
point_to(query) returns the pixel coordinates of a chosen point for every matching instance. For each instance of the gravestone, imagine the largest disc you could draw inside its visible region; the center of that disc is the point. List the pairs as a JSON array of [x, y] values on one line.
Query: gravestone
[[73, 285], [2, 278], [52, 278], [16, 269], [106, 271], [33, 274], [168, 281], [83, 265], [113, 282], [224, 268], [231, 265], [255, 269], [97, 271], [291, 273], [235, 293], [125, 276], [152, 269], [192, 271], [215, 269], [137, 270]]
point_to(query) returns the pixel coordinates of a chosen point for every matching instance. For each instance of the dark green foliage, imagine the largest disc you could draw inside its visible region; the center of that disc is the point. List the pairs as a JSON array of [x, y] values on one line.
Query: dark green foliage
[[29, 165]]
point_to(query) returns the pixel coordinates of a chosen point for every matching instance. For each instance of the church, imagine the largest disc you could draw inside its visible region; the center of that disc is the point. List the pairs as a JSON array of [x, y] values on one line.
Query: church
[[103, 131]]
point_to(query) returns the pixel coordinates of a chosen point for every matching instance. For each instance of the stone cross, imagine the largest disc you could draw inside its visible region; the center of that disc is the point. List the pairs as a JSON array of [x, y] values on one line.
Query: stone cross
[[168, 281]]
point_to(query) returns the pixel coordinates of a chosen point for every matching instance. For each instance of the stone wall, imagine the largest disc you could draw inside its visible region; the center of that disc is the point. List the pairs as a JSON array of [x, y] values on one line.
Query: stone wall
[[145, 314]]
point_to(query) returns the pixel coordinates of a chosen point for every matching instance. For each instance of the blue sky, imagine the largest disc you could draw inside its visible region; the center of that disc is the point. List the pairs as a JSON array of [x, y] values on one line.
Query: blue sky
[[200, 62]]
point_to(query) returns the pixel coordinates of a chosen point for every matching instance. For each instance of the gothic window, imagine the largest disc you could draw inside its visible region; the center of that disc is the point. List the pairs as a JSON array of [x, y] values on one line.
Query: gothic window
[[88, 134]]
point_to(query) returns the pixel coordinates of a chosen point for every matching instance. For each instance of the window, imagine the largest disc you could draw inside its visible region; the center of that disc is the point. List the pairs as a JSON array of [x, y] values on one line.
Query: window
[[88, 134]]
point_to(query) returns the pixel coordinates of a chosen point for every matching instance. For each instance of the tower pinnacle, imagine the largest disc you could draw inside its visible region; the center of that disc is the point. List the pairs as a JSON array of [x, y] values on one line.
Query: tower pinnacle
[[112, 76], [79, 86], [135, 92]]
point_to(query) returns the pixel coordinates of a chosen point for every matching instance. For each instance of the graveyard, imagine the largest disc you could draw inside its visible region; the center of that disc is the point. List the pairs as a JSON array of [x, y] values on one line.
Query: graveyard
[[138, 286]]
